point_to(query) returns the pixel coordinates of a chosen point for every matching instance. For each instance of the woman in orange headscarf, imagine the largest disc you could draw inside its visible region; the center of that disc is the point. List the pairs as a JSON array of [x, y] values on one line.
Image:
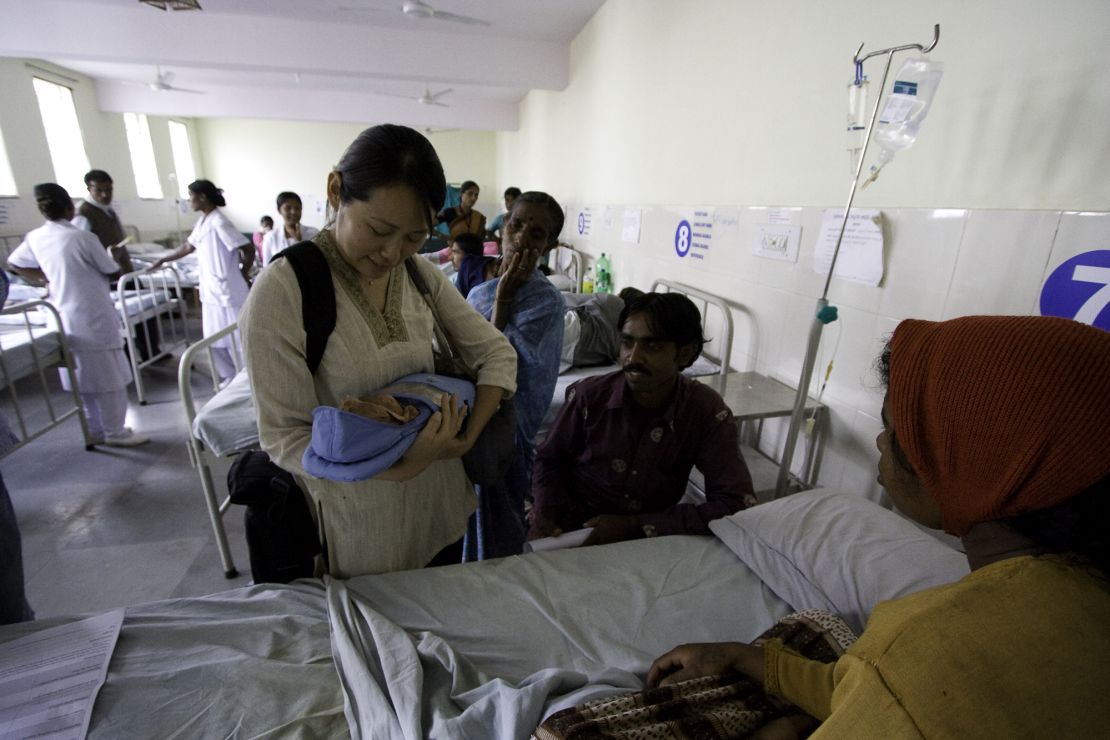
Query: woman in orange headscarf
[[996, 428]]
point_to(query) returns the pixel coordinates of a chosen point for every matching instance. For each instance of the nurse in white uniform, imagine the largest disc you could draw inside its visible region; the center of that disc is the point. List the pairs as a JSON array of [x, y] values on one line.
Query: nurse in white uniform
[[225, 257], [290, 232], [78, 269]]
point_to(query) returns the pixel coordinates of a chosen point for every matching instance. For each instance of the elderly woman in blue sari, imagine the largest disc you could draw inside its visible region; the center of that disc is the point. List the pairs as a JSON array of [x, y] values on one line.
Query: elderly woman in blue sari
[[523, 304]]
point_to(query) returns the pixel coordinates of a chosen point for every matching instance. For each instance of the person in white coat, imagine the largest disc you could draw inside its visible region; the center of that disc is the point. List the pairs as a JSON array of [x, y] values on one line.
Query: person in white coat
[[225, 257], [291, 231], [78, 269]]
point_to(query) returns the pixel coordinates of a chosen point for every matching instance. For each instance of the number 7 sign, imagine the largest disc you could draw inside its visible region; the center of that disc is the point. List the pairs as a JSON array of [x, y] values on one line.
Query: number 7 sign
[[1080, 289]]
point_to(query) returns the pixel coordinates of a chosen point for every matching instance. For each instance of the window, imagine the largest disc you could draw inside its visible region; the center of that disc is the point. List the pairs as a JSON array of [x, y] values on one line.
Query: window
[[7, 180], [182, 158], [63, 135], [142, 155]]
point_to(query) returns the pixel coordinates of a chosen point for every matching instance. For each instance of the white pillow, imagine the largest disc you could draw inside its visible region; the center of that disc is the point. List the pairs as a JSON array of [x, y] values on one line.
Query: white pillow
[[825, 549], [562, 282]]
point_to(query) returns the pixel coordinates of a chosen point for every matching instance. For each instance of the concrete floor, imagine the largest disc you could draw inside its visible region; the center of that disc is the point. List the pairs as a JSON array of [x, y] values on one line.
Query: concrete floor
[[116, 527]]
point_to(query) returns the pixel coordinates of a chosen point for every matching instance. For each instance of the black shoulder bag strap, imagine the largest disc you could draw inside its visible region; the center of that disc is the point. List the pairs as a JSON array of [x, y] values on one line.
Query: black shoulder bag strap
[[448, 352], [317, 298]]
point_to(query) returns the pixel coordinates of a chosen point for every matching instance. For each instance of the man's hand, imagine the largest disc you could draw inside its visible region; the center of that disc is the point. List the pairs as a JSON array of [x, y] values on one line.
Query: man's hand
[[542, 527], [706, 659], [612, 528]]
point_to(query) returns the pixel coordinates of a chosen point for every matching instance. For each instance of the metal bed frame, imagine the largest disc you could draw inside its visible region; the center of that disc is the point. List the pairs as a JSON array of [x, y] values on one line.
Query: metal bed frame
[[42, 359], [199, 456], [160, 296]]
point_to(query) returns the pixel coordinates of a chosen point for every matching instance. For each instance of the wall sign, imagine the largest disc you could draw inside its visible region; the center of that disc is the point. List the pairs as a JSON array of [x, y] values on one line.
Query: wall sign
[[693, 235], [1080, 289], [683, 237], [585, 222]]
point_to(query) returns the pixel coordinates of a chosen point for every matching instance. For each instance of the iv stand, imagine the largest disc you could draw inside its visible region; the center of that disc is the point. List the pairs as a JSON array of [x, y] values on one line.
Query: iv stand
[[825, 313]]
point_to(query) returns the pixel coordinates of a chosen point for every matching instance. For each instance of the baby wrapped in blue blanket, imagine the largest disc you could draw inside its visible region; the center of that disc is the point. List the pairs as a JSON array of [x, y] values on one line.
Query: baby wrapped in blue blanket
[[347, 446]]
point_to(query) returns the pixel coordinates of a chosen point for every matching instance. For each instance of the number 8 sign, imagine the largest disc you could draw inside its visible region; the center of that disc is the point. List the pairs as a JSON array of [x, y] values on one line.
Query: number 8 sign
[[1080, 289], [683, 236]]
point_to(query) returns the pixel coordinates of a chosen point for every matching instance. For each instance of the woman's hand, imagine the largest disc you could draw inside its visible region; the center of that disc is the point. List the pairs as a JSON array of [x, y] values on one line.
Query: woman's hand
[[438, 440], [706, 659]]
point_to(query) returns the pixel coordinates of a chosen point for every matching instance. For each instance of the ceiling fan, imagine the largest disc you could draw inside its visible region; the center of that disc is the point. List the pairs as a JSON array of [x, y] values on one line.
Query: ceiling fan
[[423, 11], [163, 82], [173, 4], [428, 98]]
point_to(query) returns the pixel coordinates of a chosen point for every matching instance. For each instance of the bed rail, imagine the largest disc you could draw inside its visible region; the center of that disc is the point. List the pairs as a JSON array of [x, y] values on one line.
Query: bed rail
[[13, 369], [720, 351], [159, 298], [198, 455], [568, 262]]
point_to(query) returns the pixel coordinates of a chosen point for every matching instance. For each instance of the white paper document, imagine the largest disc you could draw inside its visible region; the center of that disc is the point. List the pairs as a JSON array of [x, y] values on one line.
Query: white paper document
[[567, 539], [49, 680], [630, 228], [861, 251]]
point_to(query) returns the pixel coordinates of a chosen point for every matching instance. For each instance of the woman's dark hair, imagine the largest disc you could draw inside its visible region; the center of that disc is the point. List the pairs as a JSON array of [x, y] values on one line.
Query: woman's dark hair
[[470, 244], [392, 155], [513, 191], [671, 317], [629, 294], [554, 210], [1075, 528], [208, 189], [266, 221], [286, 196], [53, 200], [467, 185]]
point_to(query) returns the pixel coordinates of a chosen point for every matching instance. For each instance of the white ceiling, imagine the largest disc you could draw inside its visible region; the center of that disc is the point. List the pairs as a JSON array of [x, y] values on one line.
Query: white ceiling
[[323, 60]]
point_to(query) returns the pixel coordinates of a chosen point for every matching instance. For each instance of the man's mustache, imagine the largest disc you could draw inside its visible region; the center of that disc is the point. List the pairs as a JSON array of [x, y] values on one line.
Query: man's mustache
[[636, 369]]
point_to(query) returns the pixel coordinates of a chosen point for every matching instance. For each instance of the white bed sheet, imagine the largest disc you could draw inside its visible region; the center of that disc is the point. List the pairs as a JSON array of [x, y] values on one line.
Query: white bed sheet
[[226, 424], [481, 650], [19, 357]]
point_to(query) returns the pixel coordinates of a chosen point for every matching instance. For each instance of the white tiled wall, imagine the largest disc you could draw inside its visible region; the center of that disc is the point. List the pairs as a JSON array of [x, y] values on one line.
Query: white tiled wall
[[939, 264]]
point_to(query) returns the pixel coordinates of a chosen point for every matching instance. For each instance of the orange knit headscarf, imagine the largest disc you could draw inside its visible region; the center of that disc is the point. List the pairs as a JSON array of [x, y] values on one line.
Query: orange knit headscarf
[[1000, 415]]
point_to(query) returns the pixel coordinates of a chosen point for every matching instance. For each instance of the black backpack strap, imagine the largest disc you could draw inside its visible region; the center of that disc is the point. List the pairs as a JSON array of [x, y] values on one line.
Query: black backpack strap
[[317, 298], [416, 278]]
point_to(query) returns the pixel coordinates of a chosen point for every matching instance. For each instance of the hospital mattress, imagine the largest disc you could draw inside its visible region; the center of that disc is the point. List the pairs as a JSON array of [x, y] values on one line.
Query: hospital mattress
[[226, 423], [137, 303], [19, 355], [477, 650]]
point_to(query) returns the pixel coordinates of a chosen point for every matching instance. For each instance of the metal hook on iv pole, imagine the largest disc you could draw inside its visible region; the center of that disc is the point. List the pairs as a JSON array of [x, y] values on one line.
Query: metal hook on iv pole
[[919, 47], [825, 313]]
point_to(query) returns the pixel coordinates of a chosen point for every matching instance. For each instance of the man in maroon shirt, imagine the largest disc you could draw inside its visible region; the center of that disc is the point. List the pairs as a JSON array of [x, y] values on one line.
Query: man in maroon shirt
[[620, 452]]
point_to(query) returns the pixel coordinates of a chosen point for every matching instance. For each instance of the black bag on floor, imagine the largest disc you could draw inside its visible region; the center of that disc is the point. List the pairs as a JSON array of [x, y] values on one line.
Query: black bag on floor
[[281, 535]]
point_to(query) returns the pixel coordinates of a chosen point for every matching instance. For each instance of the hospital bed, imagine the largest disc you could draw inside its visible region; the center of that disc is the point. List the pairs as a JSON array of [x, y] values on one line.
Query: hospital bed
[[567, 269], [143, 299], [489, 649], [31, 343], [222, 426]]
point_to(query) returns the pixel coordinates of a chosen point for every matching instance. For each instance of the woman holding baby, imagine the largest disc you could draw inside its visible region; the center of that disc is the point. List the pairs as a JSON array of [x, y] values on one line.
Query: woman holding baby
[[383, 196]]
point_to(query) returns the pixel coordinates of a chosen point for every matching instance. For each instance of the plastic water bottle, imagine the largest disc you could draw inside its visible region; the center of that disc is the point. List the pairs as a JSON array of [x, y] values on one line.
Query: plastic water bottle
[[604, 275], [588, 281]]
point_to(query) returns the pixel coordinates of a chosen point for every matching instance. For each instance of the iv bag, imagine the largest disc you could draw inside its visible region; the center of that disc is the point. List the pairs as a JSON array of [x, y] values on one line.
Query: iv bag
[[857, 120], [905, 109]]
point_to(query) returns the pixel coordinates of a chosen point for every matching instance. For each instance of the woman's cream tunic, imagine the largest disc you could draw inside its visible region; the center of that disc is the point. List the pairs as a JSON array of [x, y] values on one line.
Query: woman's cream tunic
[[372, 526]]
